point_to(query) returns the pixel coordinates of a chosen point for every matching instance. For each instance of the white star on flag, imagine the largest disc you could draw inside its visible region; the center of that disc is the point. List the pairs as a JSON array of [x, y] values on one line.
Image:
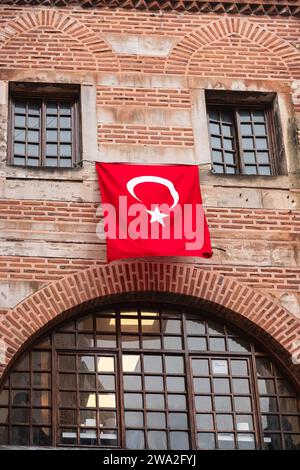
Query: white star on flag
[[157, 216]]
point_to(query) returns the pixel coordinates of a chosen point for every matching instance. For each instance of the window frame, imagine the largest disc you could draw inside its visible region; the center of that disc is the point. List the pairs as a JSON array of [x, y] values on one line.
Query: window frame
[[256, 101], [251, 356], [43, 92]]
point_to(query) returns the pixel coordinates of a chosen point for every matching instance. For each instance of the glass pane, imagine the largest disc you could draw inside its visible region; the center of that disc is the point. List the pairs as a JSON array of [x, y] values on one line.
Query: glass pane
[[266, 386], [288, 404], [174, 365], [65, 340], [33, 122], [155, 401], [261, 143], [194, 327], [171, 326], [176, 402], [68, 417], [87, 400], [67, 399], [153, 364], [129, 325], [20, 397], [135, 439], [130, 342], [241, 386], [150, 325], [106, 341], [65, 150], [131, 363], [41, 436], [197, 343], [107, 400], [206, 440], [33, 150], [42, 380], [263, 367], [172, 342], [226, 441], [204, 422], [88, 418], [224, 422], [107, 419], [88, 437], [203, 403], [86, 363], [200, 366], [19, 149], [68, 436], [217, 344], [134, 419], [238, 345], [20, 436], [263, 158], [246, 441], [85, 340], [154, 383], [179, 440], [270, 423], [239, 367], [20, 415], [268, 404], [284, 388], [202, 385], [219, 367], [106, 382], [221, 385], [157, 440], [4, 397], [175, 384], [272, 441], [105, 364], [177, 421], [156, 420], [67, 362], [41, 398], [244, 422], [3, 435], [133, 400], [3, 415], [132, 382], [246, 129], [223, 404], [249, 157], [242, 404], [67, 381], [292, 442], [87, 382], [151, 342], [248, 143], [217, 156], [106, 324]]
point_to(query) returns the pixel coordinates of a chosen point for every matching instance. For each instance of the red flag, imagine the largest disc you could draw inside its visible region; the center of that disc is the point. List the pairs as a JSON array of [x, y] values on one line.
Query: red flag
[[153, 210]]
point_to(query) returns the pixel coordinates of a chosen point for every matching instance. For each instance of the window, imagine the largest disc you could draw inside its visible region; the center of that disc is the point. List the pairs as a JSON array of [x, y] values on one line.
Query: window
[[43, 125], [148, 378], [242, 133]]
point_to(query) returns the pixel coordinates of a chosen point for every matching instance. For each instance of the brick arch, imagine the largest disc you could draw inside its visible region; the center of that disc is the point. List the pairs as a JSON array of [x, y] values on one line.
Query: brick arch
[[258, 313], [181, 55], [97, 46]]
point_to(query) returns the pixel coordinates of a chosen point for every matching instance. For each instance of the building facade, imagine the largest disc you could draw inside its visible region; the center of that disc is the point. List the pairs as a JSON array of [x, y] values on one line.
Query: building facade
[[156, 353]]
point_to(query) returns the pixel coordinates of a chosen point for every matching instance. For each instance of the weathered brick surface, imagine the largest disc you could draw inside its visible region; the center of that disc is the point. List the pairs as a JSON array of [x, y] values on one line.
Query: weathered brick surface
[[140, 101]]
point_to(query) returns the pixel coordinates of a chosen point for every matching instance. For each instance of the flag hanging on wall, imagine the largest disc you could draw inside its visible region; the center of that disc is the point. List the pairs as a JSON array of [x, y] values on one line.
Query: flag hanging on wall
[[152, 210]]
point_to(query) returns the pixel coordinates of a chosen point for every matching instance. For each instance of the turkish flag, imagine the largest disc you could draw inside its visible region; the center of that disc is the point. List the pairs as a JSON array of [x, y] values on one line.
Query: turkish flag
[[152, 210]]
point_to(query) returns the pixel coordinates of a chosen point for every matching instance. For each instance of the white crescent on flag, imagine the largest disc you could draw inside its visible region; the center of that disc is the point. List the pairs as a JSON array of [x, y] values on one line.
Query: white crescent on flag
[[153, 179]]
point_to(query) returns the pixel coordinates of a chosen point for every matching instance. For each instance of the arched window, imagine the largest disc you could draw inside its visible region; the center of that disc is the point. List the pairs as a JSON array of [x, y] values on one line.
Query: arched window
[[154, 378]]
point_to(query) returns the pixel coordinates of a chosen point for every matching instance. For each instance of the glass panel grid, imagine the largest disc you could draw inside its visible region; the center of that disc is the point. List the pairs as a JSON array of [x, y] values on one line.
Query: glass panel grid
[[43, 132], [167, 398]]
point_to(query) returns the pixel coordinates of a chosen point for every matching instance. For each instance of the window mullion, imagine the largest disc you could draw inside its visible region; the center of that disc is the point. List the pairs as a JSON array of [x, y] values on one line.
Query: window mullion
[[43, 135], [238, 142]]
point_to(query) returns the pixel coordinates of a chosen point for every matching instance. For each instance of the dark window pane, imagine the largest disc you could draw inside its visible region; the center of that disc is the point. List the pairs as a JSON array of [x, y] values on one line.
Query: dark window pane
[[86, 363], [86, 382], [88, 437], [106, 324], [3, 415], [20, 379], [65, 340], [266, 386], [41, 416], [288, 404], [20, 415], [68, 436], [270, 423], [3, 435], [263, 367], [20, 397], [41, 398], [4, 397], [41, 379], [67, 362], [85, 340], [292, 442], [268, 404], [20, 436], [272, 441], [107, 419], [41, 360], [238, 345], [88, 418], [67, 399]]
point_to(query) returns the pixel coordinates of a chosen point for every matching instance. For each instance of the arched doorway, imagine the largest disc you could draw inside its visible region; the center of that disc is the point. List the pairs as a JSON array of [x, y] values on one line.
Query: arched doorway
[[148, 376]]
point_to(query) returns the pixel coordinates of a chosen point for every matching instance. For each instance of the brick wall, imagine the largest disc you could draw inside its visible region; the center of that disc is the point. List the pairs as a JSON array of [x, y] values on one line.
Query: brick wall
[[143, 70]]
